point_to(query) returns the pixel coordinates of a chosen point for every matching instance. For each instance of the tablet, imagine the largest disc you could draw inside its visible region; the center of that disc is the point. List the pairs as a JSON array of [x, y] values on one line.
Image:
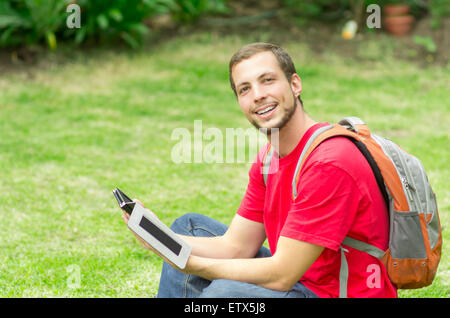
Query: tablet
[[123, 200], [155, 233]]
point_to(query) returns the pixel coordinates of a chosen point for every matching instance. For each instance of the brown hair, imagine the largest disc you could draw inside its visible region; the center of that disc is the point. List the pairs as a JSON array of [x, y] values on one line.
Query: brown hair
[[247, 51]]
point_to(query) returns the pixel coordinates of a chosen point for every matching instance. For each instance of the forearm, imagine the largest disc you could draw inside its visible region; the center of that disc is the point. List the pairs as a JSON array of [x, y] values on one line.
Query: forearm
[[279, 272], [211, 247], [265, 272]]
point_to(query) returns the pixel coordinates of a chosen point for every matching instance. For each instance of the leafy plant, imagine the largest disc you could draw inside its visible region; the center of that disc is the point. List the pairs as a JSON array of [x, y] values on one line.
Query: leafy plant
[[108, 20], [188, 11], [27, 22], [30, 21], [438, 9], [327, 10], [426, 42]]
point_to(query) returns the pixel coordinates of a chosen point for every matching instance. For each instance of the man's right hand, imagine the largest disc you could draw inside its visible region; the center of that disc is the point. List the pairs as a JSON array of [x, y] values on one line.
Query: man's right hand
[[126, 218]]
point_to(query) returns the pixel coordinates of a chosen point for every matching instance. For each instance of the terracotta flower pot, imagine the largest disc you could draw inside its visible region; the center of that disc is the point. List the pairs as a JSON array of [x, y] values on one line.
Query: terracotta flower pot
[[399, 25], [396, 9], [397, 19]]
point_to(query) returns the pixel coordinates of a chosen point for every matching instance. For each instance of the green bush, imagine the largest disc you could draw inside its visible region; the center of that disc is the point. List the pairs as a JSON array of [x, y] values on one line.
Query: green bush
[[187, 11], [333, 10], [30, 21], [115, 19], [438, 9], [317, 9], [27, 22]]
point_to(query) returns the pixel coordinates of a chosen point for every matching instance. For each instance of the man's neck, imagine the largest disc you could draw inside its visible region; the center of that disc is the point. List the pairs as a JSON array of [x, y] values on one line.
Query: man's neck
[[288, 137]]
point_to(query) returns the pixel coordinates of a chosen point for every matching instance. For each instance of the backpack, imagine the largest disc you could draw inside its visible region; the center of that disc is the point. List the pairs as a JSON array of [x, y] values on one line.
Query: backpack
[[415, 238]]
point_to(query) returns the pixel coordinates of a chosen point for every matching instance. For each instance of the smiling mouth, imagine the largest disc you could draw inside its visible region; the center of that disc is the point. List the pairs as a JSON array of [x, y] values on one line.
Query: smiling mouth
[[266, 110]]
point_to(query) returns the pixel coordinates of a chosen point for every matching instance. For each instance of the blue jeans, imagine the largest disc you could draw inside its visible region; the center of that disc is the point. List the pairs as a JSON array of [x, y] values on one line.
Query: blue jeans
[[174, 283]]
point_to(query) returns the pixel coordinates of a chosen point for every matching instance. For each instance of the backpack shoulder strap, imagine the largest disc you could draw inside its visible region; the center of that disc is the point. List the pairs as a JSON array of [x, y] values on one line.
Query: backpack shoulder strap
[[364, 247], [351, 123], [266, 162], [356, 131], [316, 139], [355, 124]]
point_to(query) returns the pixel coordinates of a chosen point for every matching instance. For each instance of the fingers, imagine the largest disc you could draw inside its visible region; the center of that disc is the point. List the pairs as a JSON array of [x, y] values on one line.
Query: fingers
[[125, 214], [139, 202], [144, 243], [126, 217], [136, 200]]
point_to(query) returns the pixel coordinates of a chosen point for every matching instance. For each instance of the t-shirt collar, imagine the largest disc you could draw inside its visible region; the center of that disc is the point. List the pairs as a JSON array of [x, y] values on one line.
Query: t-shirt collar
[[295, 154]]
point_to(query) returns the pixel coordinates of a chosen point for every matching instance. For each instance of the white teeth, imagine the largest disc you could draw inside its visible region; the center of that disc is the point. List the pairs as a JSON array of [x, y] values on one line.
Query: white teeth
[[268, 109]]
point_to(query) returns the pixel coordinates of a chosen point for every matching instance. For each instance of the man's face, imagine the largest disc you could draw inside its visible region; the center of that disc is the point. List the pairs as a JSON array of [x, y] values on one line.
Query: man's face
[[266, 97]]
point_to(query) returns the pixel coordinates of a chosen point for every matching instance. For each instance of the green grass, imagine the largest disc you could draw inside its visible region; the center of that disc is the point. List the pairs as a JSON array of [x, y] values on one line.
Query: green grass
[[72, 132]]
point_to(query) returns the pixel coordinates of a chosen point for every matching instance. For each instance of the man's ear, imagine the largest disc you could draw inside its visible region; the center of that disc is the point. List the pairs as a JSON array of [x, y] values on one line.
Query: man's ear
[[296, 84]]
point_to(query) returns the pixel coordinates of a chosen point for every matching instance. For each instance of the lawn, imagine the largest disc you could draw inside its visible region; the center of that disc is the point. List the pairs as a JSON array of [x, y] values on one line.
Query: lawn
[[71, 132]]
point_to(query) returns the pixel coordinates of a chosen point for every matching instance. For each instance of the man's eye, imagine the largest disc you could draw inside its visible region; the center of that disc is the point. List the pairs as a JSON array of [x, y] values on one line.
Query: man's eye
[[243, 90], [268, 79]]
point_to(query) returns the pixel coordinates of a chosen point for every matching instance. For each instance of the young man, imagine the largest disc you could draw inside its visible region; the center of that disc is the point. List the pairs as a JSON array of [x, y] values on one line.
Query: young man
[[337, 197]]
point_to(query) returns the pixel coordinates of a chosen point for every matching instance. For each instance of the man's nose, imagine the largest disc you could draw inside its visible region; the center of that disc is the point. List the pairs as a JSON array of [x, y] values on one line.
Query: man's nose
[[259, 93]]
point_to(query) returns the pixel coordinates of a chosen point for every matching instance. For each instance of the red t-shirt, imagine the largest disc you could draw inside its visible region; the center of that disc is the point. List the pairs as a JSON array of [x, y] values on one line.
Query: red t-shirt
[[337, 197]]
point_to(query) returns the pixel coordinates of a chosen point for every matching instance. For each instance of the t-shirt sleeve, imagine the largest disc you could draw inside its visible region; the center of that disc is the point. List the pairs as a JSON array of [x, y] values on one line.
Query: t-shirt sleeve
[[326, 205], [252, 204]]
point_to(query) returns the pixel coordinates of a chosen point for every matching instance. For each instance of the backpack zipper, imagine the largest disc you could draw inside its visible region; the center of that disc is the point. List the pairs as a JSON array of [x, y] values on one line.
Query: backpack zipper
[[409, 189], [429, 208], [390, 149]]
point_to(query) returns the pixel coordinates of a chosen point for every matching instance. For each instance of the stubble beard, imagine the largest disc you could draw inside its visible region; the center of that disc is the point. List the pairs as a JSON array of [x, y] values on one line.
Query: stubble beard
[[281, 123]]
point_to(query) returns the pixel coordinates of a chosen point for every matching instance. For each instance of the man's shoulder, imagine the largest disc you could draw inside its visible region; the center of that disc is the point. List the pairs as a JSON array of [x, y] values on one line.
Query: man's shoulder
[[339, 152], [338, 147], [262, 153]]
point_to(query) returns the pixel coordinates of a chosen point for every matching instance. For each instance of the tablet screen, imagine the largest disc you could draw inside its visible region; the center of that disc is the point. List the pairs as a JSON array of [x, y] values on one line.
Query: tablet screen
[[160, 235]]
